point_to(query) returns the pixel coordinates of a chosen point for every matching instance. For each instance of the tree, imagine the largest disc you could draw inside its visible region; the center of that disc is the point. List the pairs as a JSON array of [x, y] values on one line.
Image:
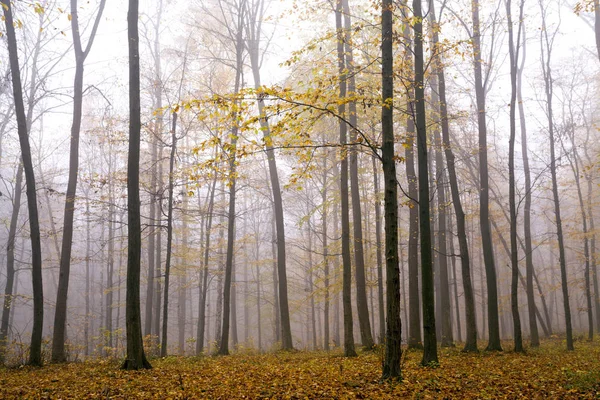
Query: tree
[[429, 333], [359, 258], [393, 351], [35, 350], [345, 216], [484, 213], [255, 15], [546, 44], [514, 251], [135, 359], [465, 259]]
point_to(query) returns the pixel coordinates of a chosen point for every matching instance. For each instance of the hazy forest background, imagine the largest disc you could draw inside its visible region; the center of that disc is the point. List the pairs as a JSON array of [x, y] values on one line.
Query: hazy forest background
[[334, 176]]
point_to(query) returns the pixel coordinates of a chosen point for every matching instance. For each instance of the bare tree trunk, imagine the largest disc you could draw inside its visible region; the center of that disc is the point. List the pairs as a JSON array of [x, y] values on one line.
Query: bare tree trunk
[[414, 302], [546, 43], [60, 316], [136, 359], [484, 215], [393, 351], [531, 308], [447, 339], [379, 255], [325, 239], [359, 258], [88, 255], [153, 271], [345, 216], [429, 333], [204, 283], [256, 16], [10, 265], [229, 263], [165, 320], [514, 251], [35, 351]]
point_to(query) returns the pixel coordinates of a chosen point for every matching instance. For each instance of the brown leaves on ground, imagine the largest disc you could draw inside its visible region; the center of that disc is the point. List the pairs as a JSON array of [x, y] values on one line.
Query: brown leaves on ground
[[548, 372]]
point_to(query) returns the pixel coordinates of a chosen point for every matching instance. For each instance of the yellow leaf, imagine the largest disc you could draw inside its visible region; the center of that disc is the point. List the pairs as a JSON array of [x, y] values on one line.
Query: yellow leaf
[[70, 17]]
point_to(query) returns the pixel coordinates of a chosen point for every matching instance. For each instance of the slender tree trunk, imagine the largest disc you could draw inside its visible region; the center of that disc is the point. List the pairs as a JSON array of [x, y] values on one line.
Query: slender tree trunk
[[514, 250], [10, 265], [204, 284], [344, 195], [325, 253], [531, 308], [35, 351], [447, 339], [229, 267], [484, 214], [136, 359], [393, 351], [414, 302], [60, 316], [379, 255], [429, 334], [165, 320], [88, 255], [546, 50], [359, 258]]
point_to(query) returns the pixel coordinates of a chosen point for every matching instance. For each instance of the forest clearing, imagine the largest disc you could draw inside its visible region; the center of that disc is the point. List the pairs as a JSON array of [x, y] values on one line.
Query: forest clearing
[[546, 372]]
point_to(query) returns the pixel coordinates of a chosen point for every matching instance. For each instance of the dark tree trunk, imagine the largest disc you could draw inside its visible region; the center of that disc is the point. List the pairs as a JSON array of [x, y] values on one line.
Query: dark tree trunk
[[514, 250], [429, 335], [484, 214], [393, 350], [35, 351], [359, 258], [136, 359]]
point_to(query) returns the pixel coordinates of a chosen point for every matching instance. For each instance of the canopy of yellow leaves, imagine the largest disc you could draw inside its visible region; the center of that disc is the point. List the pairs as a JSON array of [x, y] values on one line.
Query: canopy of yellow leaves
[[549, 372]]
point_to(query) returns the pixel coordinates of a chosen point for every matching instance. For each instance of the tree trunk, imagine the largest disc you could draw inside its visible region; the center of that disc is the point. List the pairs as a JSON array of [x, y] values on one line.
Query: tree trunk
[[136, 359], [546, 50], [514, 251], [393, 351], [165, 320], [10, 265], [325, 253], [60, 316], [35, 351], [414, 302], [359, 258], [429, 336], [379, 256], [531, 308], [484, 214], [154, 212], [204, 283], [224, 340], [345, 216]]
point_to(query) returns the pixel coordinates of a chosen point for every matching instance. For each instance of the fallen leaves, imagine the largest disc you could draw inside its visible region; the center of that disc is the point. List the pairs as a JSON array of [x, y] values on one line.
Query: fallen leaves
[[548, 372]]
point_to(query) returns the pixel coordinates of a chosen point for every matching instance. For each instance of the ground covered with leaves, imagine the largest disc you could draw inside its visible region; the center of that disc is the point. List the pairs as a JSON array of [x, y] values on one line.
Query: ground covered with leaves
[[548, 372]]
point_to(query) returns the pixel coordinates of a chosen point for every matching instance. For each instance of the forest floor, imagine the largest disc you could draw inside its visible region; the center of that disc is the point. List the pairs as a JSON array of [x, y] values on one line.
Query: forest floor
[[547, 372]]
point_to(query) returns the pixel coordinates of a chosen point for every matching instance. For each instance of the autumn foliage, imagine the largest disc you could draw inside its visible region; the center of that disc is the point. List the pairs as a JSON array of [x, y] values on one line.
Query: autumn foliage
[[548, 372]]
